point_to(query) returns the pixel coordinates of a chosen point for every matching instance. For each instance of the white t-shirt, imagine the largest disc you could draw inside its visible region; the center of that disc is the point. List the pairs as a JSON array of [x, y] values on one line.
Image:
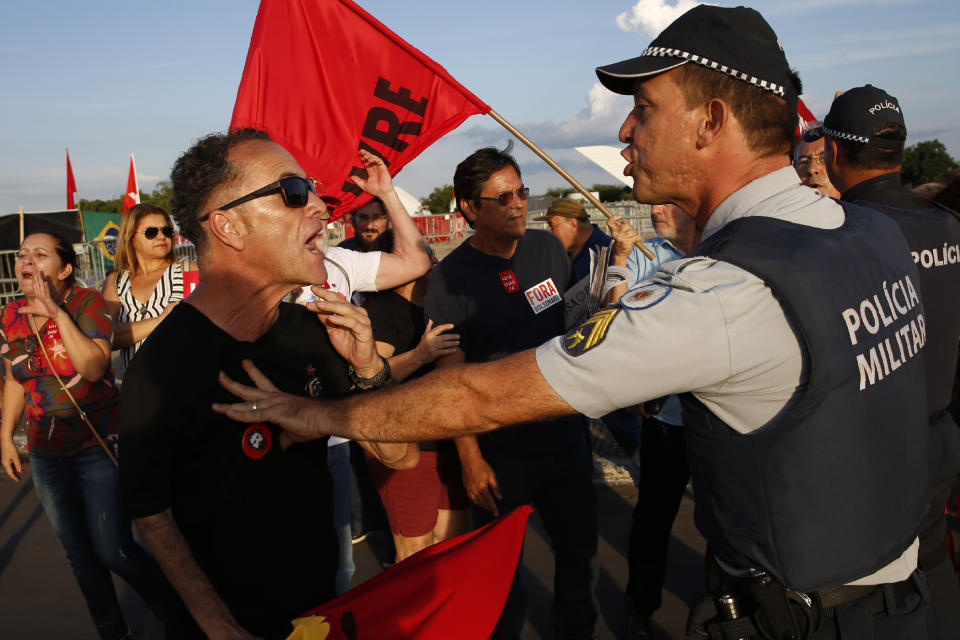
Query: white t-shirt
[[347, 273]]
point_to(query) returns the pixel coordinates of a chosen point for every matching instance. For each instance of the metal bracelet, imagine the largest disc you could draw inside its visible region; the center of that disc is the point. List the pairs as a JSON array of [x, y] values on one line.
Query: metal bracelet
[[374, 382]]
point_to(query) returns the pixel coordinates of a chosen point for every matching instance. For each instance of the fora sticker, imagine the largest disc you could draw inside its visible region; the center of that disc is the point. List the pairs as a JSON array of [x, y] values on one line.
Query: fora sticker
[[645, 296], [543, 296], [581, 339], [256, 441]]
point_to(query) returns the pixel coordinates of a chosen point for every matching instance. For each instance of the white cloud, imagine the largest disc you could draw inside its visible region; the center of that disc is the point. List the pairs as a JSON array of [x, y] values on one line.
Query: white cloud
[[597, 124], [653, 16]]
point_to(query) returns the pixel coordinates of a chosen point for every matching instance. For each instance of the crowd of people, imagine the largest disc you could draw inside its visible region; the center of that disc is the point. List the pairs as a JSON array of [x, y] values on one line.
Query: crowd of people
[[791, 349]]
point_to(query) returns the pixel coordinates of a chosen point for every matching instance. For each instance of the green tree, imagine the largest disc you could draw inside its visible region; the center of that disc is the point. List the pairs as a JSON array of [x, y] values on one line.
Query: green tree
[[439, 199], [159, 197], [612, 192], [104, 206], [559, 192], [926, 161]]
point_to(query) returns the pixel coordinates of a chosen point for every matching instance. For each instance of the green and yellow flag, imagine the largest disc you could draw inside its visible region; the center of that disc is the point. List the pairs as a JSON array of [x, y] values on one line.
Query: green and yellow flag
[[102, 229]]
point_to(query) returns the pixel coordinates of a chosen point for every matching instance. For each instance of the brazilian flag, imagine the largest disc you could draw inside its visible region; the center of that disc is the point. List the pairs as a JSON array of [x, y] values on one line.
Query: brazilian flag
[[102, 230]]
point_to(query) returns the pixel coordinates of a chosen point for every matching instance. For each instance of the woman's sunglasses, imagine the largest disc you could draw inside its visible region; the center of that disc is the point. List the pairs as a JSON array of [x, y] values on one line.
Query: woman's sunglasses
[[151, 232], [294, 190]]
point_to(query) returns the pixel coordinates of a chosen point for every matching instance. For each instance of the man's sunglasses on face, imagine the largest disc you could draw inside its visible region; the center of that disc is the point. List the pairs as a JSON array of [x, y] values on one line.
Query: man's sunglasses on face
[[151, 232], [294, 190], [505, 198]]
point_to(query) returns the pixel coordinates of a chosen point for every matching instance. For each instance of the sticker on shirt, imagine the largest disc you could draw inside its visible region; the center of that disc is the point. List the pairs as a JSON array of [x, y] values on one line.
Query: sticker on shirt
[[256, 441], [314, 387], [543, 296], [509, 281], [645, 296], [591, 333]]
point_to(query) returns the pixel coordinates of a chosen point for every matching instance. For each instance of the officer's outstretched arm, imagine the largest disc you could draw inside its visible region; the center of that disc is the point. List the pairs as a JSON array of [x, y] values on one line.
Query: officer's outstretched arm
[[469, 398]]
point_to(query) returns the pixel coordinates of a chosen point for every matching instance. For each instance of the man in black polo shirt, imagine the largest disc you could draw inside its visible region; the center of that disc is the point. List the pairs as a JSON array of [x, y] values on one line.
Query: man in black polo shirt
[[239, 519], [502, 289], [865, 134]]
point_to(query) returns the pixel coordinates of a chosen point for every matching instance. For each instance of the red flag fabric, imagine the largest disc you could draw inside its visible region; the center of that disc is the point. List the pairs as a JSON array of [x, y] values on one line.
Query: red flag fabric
[[132, 194], [454, 589], [71, 185], [804, 117], [325, 78]]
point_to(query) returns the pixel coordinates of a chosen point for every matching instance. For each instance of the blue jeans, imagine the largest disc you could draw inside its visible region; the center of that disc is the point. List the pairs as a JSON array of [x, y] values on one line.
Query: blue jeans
[[338, 462], [79, 496]]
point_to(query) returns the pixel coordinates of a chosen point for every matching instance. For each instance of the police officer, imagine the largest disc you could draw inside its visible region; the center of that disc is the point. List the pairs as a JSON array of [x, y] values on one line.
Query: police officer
[[804, 411], [864, 134]]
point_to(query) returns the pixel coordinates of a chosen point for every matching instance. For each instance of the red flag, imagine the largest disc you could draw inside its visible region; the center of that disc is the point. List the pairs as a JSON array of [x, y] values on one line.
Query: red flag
[[454, 589], [132, 195], [325, 78], [71, 185], [804, 117]]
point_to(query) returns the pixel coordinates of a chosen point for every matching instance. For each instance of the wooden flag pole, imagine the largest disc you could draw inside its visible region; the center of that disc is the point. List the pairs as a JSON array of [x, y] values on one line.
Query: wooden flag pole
[[21, 225], [566, 176]]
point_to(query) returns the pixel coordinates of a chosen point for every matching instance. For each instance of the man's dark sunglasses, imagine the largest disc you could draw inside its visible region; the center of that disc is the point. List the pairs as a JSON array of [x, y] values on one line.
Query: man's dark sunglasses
[[505, 198], [294, 190], [151, 232]]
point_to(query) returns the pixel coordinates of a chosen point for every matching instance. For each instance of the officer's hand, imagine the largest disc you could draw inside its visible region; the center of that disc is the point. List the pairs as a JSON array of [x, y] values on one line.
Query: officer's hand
[[481, 484]]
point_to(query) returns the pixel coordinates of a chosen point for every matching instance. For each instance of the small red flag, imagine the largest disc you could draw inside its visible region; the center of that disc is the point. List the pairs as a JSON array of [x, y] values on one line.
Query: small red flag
[[804, 117], [71, 185], [132, 194], [324, 78], [454, 589]]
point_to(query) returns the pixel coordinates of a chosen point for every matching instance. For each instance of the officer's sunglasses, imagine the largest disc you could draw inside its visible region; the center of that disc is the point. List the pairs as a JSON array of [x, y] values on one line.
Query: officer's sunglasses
[[505, 198], [151, 232], [294, 190]]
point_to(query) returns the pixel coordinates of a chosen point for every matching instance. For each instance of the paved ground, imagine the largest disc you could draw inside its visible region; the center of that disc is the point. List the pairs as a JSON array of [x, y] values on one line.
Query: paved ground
[[40, 600]]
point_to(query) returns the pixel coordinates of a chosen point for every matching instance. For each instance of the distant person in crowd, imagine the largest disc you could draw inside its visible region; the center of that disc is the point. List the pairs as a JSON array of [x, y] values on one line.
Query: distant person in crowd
[[662, 451], [865, 133], [240, 519], [426, 504], [568, 220], [808, 466], [74, 475], [148, 281], [360, 265], [370, 222], [502, 292], [808, 161], [353, 268]]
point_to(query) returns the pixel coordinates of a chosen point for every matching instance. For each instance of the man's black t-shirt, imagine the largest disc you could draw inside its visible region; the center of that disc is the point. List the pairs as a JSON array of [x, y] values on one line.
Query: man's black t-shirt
[[400, 323], [258, 519], [500, 306]]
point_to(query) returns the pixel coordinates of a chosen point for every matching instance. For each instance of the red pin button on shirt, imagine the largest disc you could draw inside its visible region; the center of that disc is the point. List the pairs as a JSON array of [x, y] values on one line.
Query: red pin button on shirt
[[256, 441]]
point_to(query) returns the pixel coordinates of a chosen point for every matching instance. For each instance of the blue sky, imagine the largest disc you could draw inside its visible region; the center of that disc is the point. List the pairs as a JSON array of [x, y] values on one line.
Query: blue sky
[[111, 78]]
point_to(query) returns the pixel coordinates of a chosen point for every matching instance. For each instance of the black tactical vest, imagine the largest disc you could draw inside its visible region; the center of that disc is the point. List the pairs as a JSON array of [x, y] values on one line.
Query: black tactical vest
[[834, 488], [933, 235]]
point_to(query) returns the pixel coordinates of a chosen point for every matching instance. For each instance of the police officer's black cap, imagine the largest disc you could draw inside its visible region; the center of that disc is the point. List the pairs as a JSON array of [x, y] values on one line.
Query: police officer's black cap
[[736, 41], [857, 114]]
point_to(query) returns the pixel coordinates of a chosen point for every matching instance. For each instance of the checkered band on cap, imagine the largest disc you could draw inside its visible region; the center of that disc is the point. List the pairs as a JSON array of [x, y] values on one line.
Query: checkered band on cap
[[665, 52], [842, 135]]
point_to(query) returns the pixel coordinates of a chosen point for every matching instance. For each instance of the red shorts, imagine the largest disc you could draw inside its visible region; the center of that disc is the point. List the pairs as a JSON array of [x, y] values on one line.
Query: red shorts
[[412, 497]]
